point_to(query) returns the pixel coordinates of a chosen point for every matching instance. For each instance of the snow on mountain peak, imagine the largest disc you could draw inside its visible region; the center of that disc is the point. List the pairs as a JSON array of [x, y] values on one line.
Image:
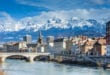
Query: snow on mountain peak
[[35, 24]]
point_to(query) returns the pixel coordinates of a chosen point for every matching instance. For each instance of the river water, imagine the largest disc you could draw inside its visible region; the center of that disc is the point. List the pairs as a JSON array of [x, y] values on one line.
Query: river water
[[20, 67]]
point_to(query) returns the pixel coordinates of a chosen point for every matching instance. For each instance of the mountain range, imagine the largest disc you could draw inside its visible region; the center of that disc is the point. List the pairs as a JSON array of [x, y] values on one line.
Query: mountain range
[[14, 31]]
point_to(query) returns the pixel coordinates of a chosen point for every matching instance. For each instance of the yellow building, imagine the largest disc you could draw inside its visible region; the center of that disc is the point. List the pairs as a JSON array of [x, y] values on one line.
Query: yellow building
[[87, 46], [99, 48]]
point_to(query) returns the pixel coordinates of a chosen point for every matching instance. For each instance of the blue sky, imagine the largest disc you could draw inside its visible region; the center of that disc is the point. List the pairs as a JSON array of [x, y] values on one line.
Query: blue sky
[[17, 14], [19, 9]]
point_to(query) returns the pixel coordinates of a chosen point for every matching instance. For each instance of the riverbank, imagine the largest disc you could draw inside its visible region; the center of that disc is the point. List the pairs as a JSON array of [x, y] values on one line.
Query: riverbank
[[64, 60], [82, 61]]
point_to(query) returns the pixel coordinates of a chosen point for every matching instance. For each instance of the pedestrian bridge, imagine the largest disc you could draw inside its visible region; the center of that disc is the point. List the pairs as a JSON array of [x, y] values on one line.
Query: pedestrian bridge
[[30, 56]]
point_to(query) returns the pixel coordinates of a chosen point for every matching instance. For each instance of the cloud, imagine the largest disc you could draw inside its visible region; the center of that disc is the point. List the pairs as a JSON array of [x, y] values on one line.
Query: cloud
[[7, 23], [66, 4], [99, 2], [4, 15], [65, 15]]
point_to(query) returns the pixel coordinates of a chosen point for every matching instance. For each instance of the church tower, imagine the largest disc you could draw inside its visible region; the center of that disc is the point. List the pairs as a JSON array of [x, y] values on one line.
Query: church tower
[[40, 40], [40, 46]]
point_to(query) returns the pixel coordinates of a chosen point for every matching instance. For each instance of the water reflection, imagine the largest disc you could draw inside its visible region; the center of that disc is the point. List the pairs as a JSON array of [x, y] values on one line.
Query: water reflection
[[18, 67]]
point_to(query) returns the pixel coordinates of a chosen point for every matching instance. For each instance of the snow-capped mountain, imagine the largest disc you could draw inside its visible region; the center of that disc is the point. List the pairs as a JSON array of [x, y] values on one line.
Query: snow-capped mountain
[[33, 24], [55, 23], [53, 26]]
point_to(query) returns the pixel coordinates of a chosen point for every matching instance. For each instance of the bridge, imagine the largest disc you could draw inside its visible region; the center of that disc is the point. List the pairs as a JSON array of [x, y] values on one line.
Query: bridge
[[28, 55]]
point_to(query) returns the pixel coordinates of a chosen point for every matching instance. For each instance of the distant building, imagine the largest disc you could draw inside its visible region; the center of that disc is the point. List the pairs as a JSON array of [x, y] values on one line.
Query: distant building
[[50, 44], [87, 47], [40, 39], [50, 41], [1, 47], [99, 48], [108, 38], [76, 45], [69, 45], [32, 47], [41, 48], [59, 45], [15, 46], [95, 47], [27, 39]]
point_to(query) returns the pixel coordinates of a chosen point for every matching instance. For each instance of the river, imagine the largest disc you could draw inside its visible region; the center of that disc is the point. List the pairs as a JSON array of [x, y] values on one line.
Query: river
[[20, 67]]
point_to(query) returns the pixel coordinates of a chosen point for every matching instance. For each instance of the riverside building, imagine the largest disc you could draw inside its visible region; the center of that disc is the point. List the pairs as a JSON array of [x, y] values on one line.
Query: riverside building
[[108, 38]]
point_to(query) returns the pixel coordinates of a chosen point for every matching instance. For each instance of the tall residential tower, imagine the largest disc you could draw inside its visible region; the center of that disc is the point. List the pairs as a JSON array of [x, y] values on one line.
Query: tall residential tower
[[27, 39]]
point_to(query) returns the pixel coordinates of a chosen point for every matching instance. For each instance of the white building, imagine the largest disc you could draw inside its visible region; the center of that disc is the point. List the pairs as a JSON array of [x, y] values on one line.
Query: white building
[[50, 41], [59, 45], [50, 44], [41, 48], [27, 39], [15, 46]]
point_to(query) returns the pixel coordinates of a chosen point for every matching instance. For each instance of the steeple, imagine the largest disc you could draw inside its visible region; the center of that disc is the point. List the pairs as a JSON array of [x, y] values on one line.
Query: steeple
[[40, 40], [40, 35]]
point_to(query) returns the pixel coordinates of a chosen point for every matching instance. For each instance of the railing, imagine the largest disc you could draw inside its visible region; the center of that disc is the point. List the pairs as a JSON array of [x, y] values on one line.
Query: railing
[[17, 51], [23, 53]]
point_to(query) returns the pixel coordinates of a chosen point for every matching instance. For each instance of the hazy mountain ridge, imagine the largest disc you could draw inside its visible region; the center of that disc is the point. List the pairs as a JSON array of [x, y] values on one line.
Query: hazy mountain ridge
[[54, 26]]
